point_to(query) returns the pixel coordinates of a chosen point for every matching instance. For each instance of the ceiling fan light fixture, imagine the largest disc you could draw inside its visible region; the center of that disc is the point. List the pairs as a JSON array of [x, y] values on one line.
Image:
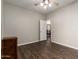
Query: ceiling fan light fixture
[[45, 7], [50, 5], [41, 4], [46, 2]]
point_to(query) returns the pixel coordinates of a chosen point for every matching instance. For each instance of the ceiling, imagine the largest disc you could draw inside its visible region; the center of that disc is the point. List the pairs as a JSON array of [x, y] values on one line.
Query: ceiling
[[29, 4]]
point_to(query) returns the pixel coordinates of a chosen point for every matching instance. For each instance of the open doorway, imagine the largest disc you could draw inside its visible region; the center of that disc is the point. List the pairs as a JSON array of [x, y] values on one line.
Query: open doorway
[[48, 32]]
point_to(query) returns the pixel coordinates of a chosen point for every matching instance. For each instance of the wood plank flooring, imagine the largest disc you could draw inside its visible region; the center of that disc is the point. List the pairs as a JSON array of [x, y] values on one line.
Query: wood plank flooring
[[46, 50]]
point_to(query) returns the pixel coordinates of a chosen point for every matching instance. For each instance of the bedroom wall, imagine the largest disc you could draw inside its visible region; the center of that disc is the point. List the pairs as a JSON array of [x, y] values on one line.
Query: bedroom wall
[[2, 21], [64, 23], [21, 23], [24, 24]]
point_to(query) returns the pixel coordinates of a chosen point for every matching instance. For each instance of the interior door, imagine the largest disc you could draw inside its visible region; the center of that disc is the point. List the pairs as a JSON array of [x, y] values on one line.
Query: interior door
[[42, 30]]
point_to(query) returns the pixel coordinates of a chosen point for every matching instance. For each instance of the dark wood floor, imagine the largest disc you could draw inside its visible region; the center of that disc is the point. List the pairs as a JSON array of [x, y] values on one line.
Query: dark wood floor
[[46, 50]]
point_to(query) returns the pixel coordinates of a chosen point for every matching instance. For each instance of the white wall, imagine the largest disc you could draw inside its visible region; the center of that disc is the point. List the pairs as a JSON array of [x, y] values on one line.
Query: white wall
[[65, 25], [2, 21], [22, 23]]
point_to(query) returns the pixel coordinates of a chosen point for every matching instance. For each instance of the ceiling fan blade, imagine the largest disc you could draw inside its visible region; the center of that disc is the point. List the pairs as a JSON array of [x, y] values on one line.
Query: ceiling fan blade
[[35, 4]]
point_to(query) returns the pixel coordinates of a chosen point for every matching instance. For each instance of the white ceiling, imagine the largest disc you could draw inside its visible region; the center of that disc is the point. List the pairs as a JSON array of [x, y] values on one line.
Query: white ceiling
[[29, 4]]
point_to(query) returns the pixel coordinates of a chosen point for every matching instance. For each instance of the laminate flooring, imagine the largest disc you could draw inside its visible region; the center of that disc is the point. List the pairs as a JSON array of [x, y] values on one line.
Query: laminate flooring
[[46, 50]]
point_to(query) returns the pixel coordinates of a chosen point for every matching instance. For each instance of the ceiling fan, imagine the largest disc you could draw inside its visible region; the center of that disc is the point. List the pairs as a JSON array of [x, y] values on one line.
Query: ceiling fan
[[47, 3]]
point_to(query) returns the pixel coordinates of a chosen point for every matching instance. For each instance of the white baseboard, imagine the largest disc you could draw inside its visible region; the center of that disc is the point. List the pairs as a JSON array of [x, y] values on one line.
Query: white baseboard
[[65, 45], [52, 41], [27, 43]]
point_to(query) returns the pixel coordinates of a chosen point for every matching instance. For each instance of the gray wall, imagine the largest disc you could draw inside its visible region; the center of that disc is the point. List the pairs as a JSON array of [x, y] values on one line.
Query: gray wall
[[22, 23], [65, 25]]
